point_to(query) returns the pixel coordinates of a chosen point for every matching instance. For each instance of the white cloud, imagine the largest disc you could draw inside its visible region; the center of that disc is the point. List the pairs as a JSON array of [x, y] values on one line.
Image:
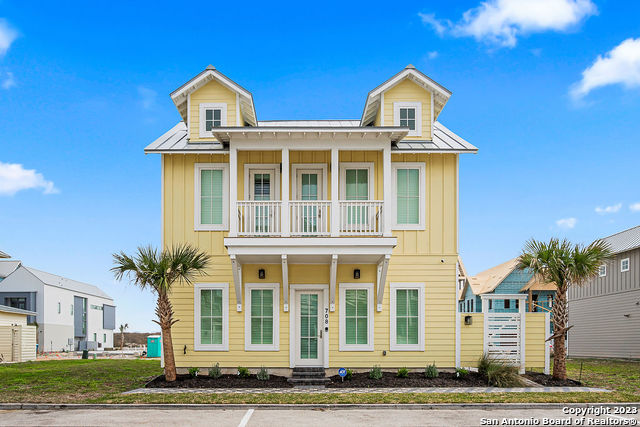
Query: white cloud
[[635, 207], [147, 97], [14, 177], [433, 54], [7, 36], [621, 65], [501, 22], [608, 209], [566, 223], [8, 81]]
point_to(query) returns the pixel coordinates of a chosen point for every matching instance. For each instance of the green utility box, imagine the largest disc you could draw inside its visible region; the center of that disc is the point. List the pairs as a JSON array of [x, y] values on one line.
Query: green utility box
[[154, 343]]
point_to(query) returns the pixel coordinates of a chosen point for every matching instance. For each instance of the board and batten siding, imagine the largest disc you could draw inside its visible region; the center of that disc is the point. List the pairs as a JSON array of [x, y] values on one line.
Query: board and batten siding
[[407, 91], [605, 313], [427, 256], [212, 92]]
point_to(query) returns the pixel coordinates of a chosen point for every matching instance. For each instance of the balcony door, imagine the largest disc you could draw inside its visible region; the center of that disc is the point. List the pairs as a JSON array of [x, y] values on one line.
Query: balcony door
[[307, 216], [262, 189], [357, 188]]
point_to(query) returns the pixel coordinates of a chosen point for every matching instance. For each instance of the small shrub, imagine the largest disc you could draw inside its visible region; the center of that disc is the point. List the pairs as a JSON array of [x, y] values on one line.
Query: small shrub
[[501, 375], [484, 364], [431, 371], [403, 373], [263, 374], [215, 371], [194, 372], [349, 374], [375, 373], [243, 372], [461, 373]]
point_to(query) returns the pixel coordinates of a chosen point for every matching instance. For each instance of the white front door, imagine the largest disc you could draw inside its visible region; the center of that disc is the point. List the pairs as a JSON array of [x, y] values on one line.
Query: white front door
[[310, 328]]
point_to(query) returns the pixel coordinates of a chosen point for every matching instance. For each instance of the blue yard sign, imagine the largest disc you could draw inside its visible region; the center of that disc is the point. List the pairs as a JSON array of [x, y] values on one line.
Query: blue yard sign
[[342, 372]]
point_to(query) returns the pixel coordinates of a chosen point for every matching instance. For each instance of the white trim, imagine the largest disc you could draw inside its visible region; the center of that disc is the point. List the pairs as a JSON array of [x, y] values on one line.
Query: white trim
[[523, 327], [285, 225], [188, 116], [356, 165], [233, 191], [602, 270], [285, 283], [296, 167], [393, 346], [547, 347], [292, 321], [208, 74], [270, 167], [458, 320], [335, 197], [421, 166], [432, 95], [622, 261], [203, 107], [275, 287], [197, 287], [342, 321], [415, 105], [198, 226], [387, 191]]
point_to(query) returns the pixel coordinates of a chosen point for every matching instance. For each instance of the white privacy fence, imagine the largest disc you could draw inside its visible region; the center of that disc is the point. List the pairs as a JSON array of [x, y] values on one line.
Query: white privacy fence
[[504, 333]]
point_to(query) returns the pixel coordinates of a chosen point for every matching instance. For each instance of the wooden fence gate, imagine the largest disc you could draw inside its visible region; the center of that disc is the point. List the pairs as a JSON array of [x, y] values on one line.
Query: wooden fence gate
[[504, 332]]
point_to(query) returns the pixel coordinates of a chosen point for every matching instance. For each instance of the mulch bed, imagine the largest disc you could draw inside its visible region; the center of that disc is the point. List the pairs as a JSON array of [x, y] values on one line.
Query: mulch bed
[[225, 381], [549, 381], [416, 379]]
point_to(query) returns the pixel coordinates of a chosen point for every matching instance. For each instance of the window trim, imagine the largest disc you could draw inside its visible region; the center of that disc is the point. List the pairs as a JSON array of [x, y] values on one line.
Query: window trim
[[197, 195], [197, 288], [602, 270], [356, 165], [396, 115], [393, 287], [204, 106], [269, 167], [299, 167], [248, 287], [342, 317], [421, 166], [622, 269]]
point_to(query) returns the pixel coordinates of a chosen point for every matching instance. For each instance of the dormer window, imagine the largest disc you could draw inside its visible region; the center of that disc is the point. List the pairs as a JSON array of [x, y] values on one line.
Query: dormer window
[[408, 114], [212, 115]]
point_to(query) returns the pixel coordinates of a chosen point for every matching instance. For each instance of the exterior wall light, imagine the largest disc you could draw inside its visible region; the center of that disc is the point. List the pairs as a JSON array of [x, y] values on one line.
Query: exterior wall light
[[356, 273], [261, 273], [468, 320]]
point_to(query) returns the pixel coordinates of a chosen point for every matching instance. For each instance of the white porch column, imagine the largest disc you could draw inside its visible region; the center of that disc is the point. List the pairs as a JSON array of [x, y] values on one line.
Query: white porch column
[[386, 189], [284, 194], [233, 191], [523, 327], [335, 193]]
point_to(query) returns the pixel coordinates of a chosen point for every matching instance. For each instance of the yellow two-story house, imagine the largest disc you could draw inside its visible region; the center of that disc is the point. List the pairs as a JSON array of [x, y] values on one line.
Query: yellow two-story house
[[334, 242]]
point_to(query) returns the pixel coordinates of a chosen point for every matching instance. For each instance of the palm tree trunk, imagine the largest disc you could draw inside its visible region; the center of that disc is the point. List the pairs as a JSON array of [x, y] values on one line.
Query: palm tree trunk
[[121, 340], [559, 327], [164, 311]]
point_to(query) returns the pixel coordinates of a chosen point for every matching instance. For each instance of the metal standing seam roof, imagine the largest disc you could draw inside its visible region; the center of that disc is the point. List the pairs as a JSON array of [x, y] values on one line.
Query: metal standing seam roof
[[64, 283], [444, 140], [625, 240], [7, 309], [8, 267]]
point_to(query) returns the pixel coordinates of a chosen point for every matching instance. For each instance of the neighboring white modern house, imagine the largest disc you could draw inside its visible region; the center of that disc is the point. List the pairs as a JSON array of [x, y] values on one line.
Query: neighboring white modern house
[[70, 315]]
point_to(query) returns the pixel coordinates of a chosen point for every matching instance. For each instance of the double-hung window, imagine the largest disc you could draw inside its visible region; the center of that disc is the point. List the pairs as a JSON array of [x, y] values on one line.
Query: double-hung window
[[356, 316], [624, 265], [212, 115], [211, 196], [407, 317], [408, 114], [211, 316], [408, 182], [261, 316]]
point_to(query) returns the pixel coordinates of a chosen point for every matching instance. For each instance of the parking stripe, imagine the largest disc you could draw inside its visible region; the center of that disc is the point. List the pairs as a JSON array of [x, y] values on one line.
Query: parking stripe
[[245, 419]]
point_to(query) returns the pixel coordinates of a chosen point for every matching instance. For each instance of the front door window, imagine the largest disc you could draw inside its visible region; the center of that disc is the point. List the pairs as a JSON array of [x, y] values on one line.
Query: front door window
[[309, 329]]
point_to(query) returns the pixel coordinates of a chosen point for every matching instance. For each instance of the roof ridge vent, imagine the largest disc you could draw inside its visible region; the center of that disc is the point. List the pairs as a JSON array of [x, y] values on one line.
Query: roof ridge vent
[[210, 67]]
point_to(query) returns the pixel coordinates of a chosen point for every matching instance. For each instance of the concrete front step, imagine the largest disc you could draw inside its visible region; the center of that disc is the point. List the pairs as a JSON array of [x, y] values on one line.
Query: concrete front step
[[308, 376]]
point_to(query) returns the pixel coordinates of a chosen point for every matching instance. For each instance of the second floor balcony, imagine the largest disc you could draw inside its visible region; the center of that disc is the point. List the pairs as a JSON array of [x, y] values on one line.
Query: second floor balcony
[[312, 218]]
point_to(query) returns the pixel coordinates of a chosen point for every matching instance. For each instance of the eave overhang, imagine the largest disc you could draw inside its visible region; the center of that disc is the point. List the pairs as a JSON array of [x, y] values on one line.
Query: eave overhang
[[228, 134]]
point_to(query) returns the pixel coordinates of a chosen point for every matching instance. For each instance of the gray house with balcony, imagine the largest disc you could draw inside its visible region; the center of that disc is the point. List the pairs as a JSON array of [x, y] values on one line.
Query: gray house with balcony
[[605, 313]]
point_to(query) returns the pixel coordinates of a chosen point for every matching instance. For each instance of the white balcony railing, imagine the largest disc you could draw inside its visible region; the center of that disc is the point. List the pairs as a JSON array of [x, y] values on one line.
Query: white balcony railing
[[361, 217], [259, 218], [310, 217]]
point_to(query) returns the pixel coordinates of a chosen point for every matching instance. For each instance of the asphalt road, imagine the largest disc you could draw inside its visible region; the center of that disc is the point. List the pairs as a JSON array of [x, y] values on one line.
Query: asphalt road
[[295, 417]]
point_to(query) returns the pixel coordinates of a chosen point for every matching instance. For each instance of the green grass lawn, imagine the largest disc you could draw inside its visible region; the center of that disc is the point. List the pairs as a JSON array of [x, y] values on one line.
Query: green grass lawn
[[103, 381]]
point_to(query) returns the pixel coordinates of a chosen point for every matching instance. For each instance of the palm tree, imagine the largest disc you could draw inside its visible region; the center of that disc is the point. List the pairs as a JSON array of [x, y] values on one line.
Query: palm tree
[[158, 271], [122, 329], [564, 264]]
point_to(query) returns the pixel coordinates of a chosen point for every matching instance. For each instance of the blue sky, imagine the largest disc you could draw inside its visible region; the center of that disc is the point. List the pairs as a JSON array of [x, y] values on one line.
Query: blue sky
[[84, 89]]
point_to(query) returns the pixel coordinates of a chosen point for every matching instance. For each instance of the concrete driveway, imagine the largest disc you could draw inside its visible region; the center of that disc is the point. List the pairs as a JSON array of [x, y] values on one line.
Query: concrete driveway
[[291, 417]]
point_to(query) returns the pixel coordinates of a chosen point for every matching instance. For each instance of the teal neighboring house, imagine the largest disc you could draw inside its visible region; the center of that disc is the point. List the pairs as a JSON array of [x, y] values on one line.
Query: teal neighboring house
[[505, 278]]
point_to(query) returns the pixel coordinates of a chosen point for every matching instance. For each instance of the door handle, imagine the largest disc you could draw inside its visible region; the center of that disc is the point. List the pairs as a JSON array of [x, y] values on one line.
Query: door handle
[[320, 333]]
